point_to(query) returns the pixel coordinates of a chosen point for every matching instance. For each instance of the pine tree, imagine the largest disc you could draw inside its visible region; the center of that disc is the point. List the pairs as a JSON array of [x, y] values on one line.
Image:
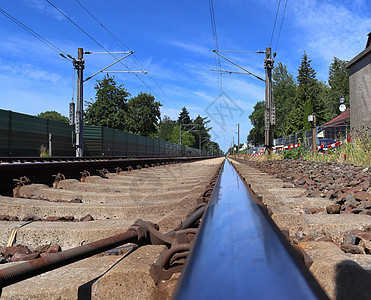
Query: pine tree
[[308, 110], [184, 118], [201, 132], [339, 87], [309, 89], [284, 90]]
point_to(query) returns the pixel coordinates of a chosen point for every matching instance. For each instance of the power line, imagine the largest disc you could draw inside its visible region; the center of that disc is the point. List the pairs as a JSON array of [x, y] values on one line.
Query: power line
[[69, 19], [239, 51], [279, 34], [215, 39], [36, 35], [120, 44], [275, 20], [75, 24]]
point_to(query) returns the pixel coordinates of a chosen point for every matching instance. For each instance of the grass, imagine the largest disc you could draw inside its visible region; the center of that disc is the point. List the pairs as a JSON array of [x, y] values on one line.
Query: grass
[[357, 152]]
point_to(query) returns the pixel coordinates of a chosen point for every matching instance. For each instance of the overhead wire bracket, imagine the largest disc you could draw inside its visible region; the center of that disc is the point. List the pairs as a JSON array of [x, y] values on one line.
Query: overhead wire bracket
[[120, 59], [248, 72]]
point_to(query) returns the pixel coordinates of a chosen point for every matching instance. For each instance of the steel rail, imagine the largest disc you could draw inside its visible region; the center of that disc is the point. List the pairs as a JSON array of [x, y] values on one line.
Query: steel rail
[[239, 252]]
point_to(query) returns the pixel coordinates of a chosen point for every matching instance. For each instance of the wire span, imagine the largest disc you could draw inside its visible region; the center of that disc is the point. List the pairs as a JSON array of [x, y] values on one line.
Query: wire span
[[36, 35], [279, 34], [275, 21], [215, 39]]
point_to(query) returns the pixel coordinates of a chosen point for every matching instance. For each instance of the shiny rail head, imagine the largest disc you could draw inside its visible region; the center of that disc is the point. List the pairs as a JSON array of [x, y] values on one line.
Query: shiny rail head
[[237, 253]]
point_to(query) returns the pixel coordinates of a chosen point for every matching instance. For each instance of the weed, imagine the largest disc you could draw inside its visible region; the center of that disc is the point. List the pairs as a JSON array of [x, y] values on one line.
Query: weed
[[44, 151]]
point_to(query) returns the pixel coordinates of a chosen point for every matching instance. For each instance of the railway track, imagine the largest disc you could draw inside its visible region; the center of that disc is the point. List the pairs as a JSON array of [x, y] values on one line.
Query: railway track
[[42, 170], [256, 231], [71, 212]]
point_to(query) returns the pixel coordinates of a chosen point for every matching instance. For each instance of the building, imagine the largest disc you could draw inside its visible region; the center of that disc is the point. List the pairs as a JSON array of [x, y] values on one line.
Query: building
[[360, 90], [337, 128]]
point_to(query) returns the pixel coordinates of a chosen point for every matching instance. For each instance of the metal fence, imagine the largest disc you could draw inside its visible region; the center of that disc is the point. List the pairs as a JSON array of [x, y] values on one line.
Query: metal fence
[[333, 133], [304, 138], [23, 135]]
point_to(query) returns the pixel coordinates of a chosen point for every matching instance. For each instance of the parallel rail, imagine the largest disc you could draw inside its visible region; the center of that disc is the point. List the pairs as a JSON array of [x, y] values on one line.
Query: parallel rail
[[43, 171], [240, 253]]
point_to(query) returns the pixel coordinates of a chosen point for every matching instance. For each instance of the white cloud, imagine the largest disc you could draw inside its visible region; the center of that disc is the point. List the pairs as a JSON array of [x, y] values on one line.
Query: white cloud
[[29, 72], [331, 29], [192, 47], [44, 7]]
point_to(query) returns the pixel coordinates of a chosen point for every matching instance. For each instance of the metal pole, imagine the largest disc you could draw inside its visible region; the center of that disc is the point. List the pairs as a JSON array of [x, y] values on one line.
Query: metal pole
[[180, 134], [233, 146], [314, 136], [200, 140], [238, 138], [269, 106], [50, 145], [79, 65]]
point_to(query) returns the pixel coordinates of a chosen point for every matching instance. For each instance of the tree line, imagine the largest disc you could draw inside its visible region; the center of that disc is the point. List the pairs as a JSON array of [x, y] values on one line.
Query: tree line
[[113, 107], [297, 99]]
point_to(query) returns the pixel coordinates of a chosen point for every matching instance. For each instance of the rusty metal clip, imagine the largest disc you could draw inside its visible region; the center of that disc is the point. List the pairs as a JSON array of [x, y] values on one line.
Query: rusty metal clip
[[84, 174], [57, 179], [148, 234], [103, 173], [19, 183], [172, 260]]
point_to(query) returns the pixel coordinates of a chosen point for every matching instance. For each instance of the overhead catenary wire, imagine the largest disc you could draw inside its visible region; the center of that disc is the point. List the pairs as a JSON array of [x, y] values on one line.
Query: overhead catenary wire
[[215, 39], [279, 33], [275, 21], [49, 44], [74, 23], [136, 61], [239, 51]]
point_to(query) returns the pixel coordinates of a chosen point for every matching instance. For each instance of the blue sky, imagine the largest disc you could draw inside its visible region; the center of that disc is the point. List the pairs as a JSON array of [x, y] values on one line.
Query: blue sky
[[173, 41]]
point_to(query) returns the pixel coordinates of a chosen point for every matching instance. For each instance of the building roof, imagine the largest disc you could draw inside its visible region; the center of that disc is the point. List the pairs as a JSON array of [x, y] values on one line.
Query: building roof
[[340, 119], [362, 54], [368, 41]]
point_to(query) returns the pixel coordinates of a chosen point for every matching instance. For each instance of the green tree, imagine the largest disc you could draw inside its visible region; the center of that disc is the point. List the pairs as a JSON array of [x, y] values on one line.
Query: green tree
[[187, 138], [309, 89], [165, 129], [214, 147], [53, 115], [110, 105], [184, 118], [143, 114], [257, 133], [338, 81], [284, 91], [308, 110], [200, 132]]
